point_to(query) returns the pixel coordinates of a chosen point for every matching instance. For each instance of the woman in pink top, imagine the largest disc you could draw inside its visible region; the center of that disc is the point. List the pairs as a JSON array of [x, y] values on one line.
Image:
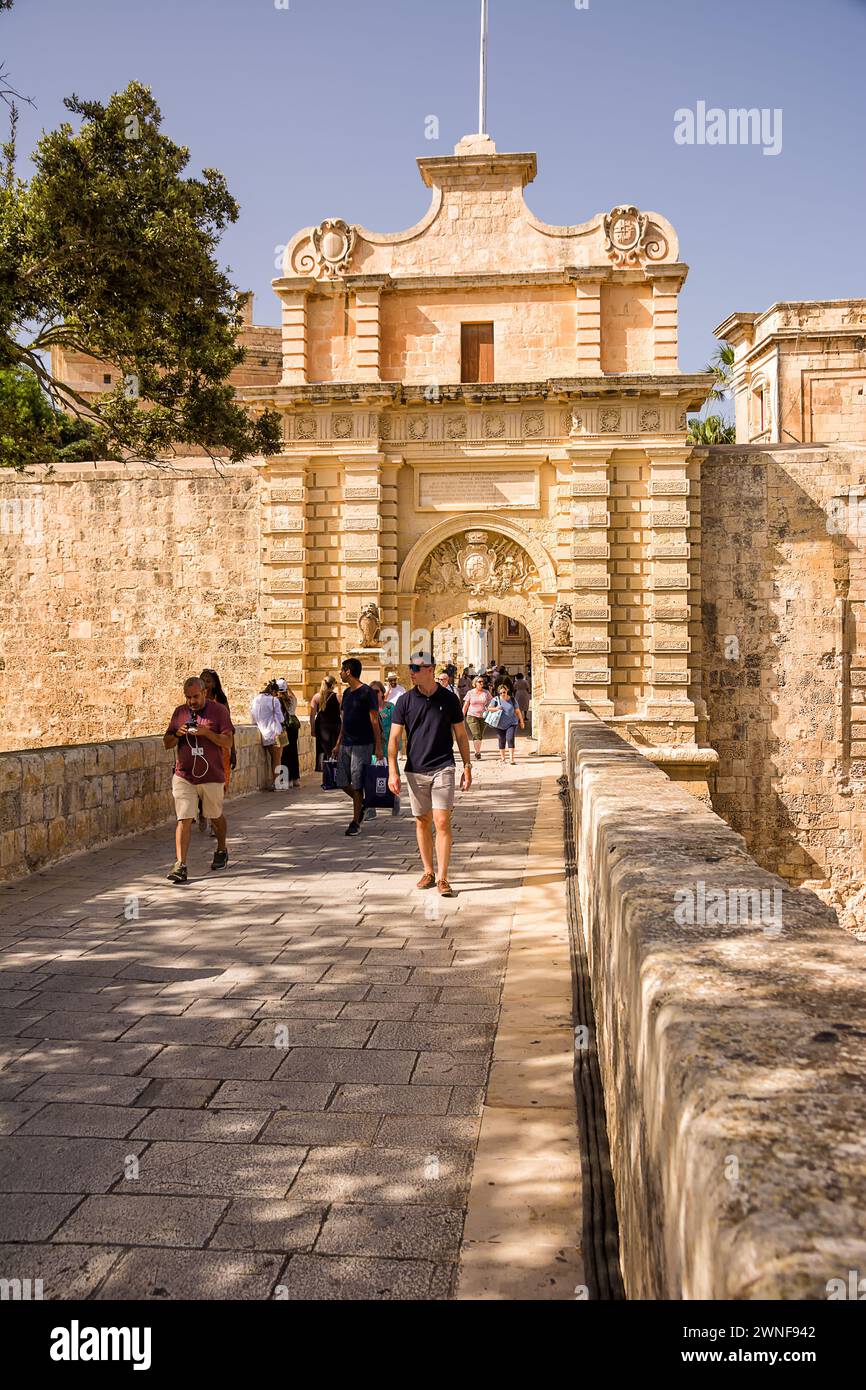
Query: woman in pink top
[[474, 709]]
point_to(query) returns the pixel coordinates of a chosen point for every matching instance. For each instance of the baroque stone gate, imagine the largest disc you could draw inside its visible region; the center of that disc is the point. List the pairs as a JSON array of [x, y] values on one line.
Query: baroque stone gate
[[486, 410]]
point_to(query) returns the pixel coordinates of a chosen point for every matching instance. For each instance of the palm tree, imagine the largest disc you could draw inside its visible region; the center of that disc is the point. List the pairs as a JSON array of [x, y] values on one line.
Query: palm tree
[[721, 365], [712, 429], [715, 429]]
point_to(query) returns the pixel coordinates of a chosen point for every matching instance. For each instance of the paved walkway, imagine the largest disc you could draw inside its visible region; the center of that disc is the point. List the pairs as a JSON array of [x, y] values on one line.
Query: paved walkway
[[274, 1081]]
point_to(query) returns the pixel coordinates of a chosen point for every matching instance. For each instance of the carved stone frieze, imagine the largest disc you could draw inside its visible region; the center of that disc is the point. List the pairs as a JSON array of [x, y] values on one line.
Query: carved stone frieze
[[469, 562]]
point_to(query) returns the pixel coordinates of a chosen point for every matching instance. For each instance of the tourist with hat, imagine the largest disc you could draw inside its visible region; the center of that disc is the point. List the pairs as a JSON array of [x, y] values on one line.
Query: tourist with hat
[[393, 688], [432, 718]]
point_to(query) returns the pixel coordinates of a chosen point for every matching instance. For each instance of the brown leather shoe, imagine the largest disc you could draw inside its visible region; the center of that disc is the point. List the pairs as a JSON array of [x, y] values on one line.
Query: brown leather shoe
[[445, 889], [426, 881]]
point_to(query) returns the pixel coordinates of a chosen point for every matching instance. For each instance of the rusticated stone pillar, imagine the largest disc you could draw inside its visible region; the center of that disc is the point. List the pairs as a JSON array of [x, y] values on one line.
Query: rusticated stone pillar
[[367, 341], [670, 582], [361, 554], [590, 556], [284, 564], [293, 295]]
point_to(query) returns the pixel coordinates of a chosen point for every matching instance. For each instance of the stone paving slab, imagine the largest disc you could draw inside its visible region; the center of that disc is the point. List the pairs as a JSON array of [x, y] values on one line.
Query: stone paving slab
[[122, 1220], [192, 1274], [295, 1054]]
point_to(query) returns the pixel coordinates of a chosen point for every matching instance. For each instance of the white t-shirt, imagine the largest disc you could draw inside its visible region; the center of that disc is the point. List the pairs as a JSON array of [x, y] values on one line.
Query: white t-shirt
[[393, 693], [267, 713]]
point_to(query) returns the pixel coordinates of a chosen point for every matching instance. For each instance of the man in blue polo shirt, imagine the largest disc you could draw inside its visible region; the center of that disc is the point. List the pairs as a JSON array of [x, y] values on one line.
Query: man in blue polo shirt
[[432, 717]]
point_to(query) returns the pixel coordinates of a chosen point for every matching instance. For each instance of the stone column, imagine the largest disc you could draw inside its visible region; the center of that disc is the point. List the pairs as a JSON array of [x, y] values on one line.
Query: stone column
[[587, 284], [361, 556], [475, 641], [669, 520], [284, 533], [293, 294], [666, 290], [367, 342], [590, 557], [386, 523]]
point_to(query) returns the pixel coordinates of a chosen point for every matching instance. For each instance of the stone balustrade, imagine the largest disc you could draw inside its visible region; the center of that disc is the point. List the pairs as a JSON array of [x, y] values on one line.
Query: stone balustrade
[[731, 1049], [59, 801]]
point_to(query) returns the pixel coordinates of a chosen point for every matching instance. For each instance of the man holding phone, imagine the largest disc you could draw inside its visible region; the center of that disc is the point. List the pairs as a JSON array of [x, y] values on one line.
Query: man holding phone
[[432, 717], [199, 729]]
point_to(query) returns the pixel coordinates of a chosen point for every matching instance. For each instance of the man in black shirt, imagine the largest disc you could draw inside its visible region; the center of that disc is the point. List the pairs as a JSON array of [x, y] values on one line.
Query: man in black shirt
[[360, 738], [432, 717]]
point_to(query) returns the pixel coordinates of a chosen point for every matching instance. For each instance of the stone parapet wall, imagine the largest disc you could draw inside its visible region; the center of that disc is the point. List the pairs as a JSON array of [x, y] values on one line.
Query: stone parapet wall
[[735, 1090], [784, 657], [119, 581], [59, 801]]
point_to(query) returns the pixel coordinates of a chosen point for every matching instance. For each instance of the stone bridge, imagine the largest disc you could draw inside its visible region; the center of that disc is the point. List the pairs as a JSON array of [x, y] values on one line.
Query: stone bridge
[[623, 1061]]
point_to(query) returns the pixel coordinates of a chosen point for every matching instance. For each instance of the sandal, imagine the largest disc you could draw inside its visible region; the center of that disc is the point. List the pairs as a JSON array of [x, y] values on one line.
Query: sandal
[[426, 881], [445, 889]]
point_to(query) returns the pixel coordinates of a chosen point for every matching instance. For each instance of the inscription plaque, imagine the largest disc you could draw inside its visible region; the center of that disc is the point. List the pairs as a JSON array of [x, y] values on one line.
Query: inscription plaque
[[456, 491]]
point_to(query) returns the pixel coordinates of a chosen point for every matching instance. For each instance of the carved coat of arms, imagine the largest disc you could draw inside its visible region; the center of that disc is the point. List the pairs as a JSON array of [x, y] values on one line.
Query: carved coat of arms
[[630, 236], [470, 562]]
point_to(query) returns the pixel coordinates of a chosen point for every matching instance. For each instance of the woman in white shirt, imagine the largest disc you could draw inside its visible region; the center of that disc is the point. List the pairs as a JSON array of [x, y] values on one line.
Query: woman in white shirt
[[267, 712]]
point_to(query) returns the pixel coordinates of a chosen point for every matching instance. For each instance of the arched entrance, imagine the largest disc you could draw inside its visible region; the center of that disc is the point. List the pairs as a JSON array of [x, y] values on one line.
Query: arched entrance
[[476, 638], [488, 579]]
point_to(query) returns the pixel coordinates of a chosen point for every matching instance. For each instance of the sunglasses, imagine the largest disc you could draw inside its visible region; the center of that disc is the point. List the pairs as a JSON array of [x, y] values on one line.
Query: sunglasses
[[415, 669]]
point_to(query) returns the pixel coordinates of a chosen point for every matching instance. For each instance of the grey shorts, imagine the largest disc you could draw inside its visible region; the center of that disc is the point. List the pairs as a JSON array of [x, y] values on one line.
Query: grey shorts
[[432, 791], [351, 763]]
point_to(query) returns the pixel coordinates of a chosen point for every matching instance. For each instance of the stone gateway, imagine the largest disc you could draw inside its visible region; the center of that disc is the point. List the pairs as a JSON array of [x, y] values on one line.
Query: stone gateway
[[485, 430]]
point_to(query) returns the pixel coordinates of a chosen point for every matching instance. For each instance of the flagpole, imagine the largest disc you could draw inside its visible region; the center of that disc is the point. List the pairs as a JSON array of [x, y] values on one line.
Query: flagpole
[[482, 96]]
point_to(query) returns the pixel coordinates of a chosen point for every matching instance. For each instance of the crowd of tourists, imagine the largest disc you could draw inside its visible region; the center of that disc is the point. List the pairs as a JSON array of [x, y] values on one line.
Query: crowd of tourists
[[359, 733]]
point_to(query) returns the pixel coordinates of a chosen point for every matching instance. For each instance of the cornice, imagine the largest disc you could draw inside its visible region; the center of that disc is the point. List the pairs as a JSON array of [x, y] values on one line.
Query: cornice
[[682, 386]]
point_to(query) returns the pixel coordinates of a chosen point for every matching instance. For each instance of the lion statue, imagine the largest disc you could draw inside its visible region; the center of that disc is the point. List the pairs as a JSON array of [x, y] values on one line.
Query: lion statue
[[369, 622], [560, 625]]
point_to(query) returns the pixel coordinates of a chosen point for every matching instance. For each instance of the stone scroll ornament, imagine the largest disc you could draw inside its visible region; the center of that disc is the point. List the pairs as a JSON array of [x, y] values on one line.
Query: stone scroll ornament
[[468, 562], [332, 243], [631, 237], [369, 624], [560, 625]]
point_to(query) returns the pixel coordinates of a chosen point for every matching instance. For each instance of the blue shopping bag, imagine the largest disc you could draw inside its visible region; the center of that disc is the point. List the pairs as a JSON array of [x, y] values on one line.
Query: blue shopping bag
[[377, 795], [329, 775]]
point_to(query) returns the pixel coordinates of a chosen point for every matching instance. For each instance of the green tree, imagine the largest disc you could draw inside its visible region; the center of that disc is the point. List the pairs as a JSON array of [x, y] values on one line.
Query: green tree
[[721, 364], [711, 429], [32, 432], [108, 249]]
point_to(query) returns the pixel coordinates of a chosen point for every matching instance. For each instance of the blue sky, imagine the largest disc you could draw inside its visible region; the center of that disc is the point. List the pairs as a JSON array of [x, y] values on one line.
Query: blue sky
[[319, 110]]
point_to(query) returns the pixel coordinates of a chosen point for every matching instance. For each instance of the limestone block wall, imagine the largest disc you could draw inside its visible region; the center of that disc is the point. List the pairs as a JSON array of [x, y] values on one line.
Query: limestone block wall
[[736, 1104], [117, 583], [58, 801], [784, 663]]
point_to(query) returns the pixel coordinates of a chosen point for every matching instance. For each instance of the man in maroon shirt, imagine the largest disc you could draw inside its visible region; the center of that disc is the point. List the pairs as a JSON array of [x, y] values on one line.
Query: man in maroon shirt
[[199, 729]]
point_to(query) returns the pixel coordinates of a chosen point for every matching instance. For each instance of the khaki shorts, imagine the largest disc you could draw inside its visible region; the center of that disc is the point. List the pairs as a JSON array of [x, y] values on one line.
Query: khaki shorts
[[189, 795], [432, 791]]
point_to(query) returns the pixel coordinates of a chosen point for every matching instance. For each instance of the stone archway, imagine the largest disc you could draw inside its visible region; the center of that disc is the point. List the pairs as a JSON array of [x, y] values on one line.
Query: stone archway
[[437, 610], [500, 527], [480, 562]]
